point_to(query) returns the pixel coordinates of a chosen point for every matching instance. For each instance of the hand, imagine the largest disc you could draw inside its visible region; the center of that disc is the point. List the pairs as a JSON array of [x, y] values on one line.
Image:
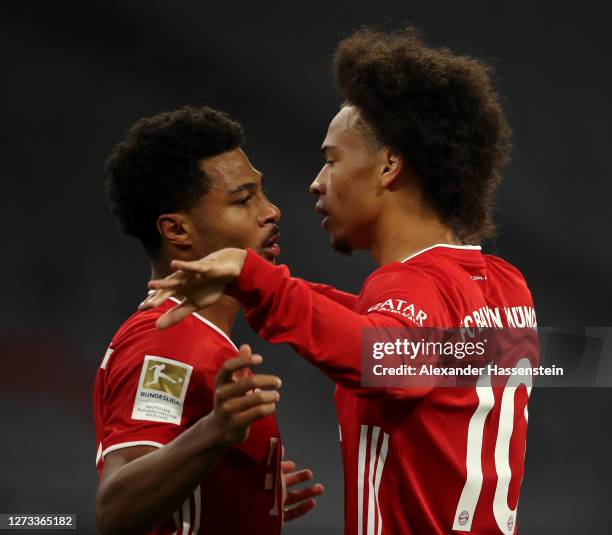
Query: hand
[[238, 398], [200, 283], [302, 500]]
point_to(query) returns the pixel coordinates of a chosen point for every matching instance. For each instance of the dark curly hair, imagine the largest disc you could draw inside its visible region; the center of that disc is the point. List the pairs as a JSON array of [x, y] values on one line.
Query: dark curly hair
[[439, 110], [155, 169]]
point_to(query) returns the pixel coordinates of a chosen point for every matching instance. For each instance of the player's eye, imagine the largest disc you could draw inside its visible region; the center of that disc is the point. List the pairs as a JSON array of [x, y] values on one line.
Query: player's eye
[[244, 201], [329, 162]]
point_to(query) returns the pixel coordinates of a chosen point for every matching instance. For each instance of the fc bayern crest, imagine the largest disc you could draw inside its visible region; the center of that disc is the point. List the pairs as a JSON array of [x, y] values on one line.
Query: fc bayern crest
[[464, 516]]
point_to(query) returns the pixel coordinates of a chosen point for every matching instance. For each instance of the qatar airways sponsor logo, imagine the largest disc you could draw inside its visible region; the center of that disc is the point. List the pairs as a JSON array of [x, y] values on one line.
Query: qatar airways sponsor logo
[[401, 308]]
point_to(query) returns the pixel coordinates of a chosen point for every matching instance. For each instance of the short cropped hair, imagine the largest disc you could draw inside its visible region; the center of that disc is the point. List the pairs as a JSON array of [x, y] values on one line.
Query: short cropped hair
[[156, 168]]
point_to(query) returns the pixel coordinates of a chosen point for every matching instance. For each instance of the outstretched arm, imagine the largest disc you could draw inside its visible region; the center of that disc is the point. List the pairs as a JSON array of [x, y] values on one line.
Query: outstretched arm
[[279, 308]]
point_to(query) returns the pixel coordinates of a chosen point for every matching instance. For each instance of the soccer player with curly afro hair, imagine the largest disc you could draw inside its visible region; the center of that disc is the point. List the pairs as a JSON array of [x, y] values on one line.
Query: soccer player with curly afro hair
[[435, 122]]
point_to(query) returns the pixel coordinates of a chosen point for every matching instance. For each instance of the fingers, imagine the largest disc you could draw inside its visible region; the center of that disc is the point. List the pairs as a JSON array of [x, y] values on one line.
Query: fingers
[[302, 499], [162, 289], [195, 266], [241, 397], [178, 278], [243, 403], [232, 382], [224, 264], [287, 466], [295, 478], [244, 351], [246, 418], [298, 510], [245, 385], [245, 359], [167, 287], [162, 284], [297, 496], [155, 298], [175, 315], [202, 282]]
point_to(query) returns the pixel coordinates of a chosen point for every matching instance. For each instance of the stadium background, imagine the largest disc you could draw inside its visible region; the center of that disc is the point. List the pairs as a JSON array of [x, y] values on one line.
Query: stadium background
[[77, 74]]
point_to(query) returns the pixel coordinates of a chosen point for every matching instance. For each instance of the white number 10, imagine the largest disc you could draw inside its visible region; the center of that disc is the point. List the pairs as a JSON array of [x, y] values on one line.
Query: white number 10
[[504, 516]]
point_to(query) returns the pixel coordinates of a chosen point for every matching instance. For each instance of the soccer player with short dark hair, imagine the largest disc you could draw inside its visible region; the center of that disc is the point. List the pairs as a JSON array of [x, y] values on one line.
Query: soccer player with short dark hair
[[412, 161], [186, 437]]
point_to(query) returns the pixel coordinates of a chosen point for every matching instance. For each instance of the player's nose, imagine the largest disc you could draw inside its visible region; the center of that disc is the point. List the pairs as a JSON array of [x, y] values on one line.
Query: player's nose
[[318, 185], [271, 214]]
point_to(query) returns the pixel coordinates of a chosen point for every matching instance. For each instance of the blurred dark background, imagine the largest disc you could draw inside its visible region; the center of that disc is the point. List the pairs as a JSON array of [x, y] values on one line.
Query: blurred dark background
[[78, 74]]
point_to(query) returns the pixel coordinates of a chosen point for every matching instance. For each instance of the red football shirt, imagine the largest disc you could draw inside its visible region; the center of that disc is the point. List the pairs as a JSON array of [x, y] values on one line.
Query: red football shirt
[[416, 460], [151, 386]]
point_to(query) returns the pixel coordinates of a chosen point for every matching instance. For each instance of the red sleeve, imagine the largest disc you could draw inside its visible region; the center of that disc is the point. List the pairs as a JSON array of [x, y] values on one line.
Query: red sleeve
[[149, 390], [344, 298], [281, 308]]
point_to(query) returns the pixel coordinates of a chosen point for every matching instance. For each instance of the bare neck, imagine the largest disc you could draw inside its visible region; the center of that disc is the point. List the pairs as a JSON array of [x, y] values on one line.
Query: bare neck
[[223, 313], [401, 232]]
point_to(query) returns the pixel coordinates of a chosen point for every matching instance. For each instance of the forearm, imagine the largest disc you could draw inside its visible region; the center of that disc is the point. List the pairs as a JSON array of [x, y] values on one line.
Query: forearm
[[321, 330], [346, 299], [314, 325], [281, 308], [144, 492]]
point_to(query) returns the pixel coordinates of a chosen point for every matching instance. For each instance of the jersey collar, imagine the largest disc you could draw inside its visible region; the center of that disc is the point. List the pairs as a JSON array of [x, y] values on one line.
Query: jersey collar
[[209, 323], [447, 245]]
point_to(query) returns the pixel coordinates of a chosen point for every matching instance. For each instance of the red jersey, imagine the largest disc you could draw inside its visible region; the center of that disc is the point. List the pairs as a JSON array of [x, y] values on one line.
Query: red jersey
[[151, 386], [416, 460]]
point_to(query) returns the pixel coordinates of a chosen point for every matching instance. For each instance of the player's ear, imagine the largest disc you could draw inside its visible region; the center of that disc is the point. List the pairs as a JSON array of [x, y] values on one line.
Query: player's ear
[[174, 228], [392, 165]]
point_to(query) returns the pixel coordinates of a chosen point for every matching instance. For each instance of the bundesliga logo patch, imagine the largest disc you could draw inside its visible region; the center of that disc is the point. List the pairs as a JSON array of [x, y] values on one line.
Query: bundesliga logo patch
[[161, 390]]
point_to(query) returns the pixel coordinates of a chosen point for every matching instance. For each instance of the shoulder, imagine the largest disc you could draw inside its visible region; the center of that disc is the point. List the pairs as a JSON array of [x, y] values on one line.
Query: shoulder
[[507, 280], [139, 332], [398, 275], [399, 278], [191, 343], [504, 268], [404, 290]]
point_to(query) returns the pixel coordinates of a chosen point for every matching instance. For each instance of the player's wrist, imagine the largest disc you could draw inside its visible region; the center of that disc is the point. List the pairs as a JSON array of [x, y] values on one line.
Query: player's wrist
[[237, 258], [214, 434]]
